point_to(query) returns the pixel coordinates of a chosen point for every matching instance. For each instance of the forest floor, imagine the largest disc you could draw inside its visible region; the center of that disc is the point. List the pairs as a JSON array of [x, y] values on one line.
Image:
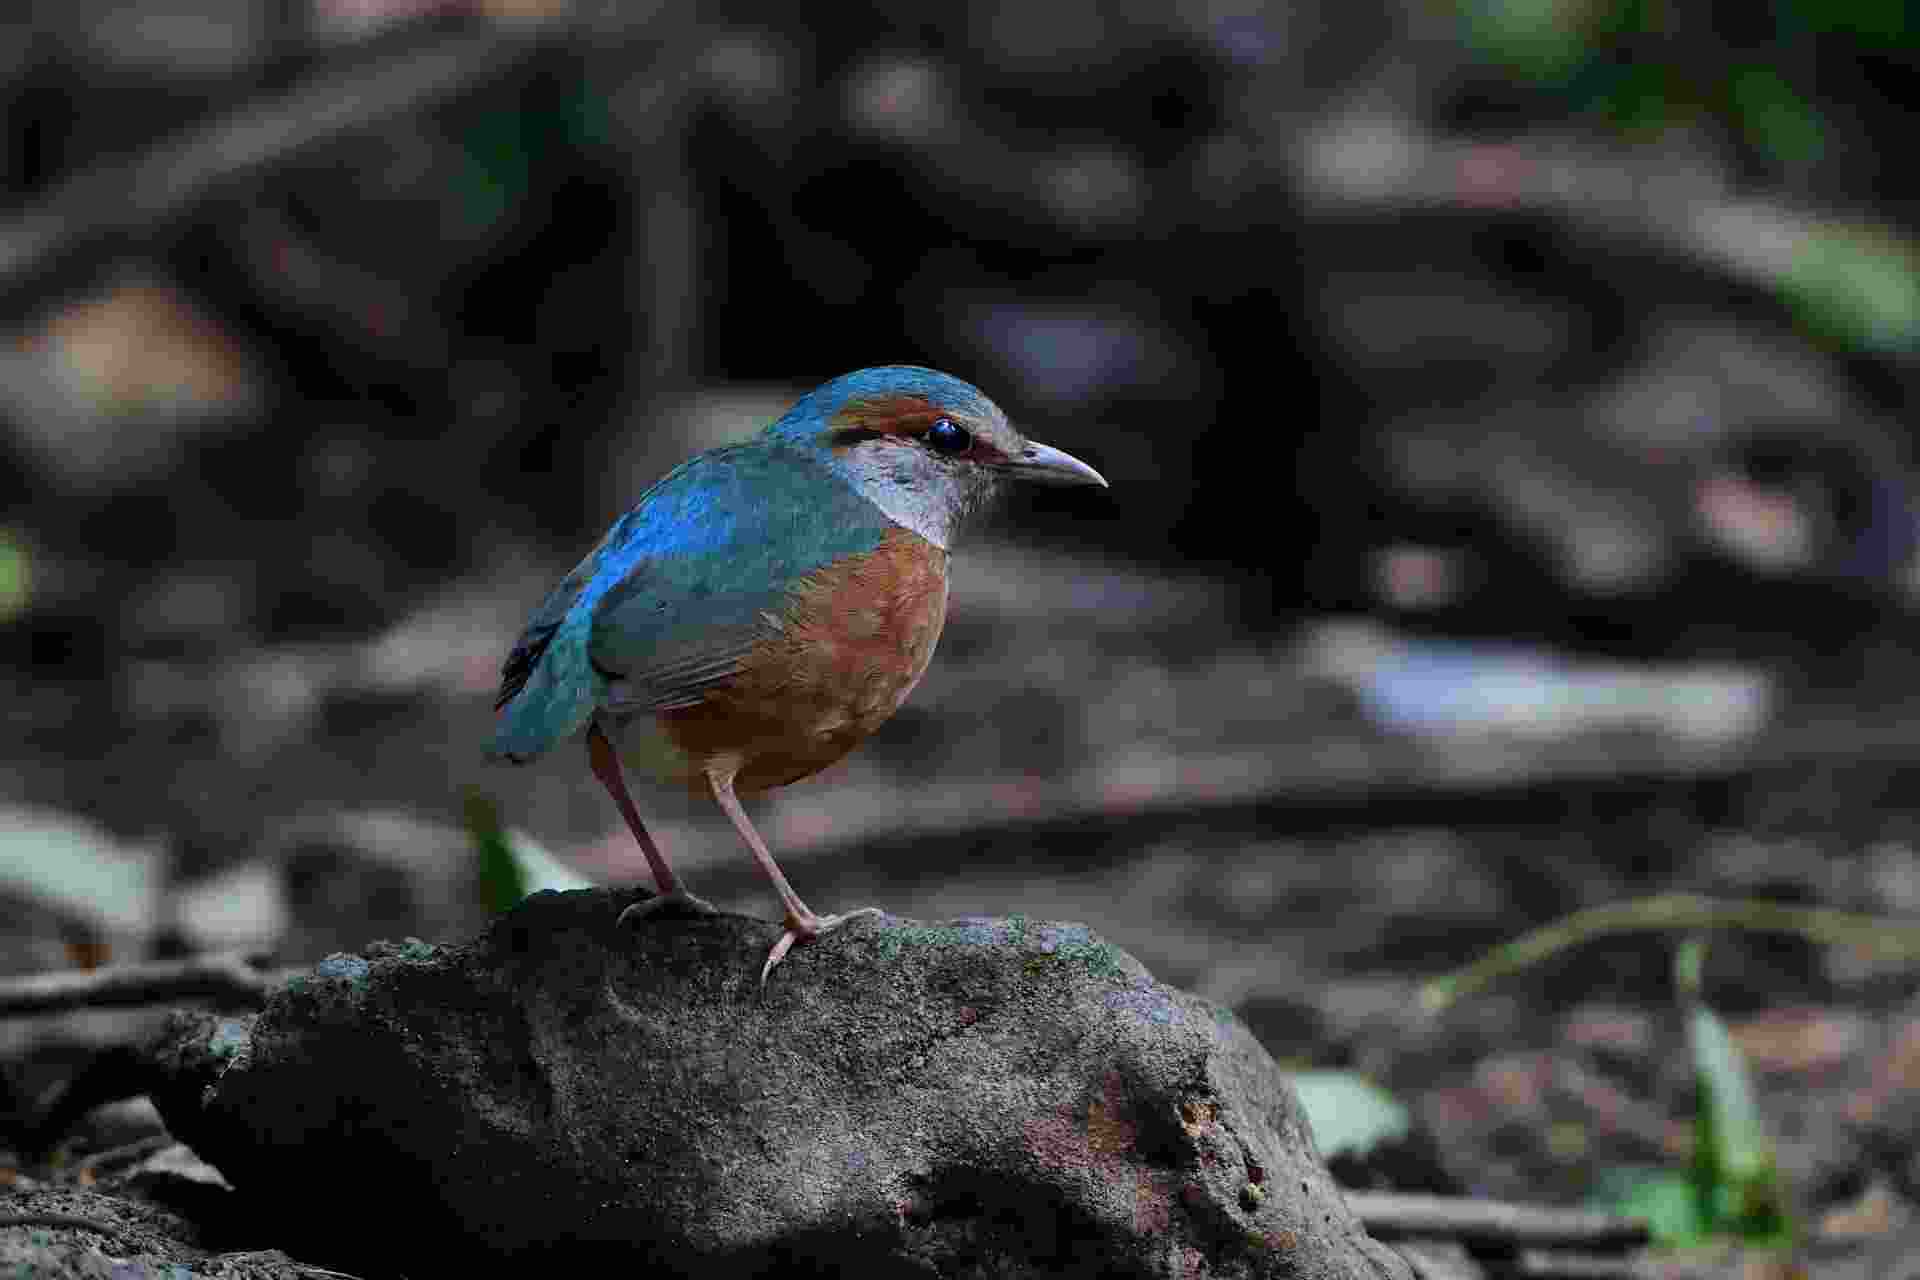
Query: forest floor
[[1289, 828]]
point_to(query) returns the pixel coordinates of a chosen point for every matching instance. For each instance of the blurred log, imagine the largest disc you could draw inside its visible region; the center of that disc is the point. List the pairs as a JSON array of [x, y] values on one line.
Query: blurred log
[[229, 979], [124, 201]]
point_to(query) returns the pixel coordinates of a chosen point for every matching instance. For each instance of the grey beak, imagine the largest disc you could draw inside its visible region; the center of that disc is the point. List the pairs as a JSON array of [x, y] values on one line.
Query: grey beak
[[1044, 464]]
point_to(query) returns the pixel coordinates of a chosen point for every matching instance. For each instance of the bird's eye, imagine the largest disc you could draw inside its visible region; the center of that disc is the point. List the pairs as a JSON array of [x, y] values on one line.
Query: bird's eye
[[948, 436]]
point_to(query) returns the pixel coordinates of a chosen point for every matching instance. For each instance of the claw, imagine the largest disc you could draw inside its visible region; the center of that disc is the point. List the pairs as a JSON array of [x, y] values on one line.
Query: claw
[[780, 950], [802, 929], [679, 902]]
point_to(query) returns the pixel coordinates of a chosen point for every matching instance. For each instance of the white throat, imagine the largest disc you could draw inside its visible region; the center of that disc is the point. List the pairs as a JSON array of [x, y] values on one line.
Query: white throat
[[913, 489]]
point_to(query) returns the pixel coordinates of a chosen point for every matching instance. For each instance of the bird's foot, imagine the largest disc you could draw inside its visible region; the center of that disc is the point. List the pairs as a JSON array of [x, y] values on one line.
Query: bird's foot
[[805, 929], [677, 903]]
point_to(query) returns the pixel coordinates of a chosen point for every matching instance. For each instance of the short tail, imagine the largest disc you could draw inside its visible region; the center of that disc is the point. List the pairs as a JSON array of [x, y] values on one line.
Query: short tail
[[556, 698]]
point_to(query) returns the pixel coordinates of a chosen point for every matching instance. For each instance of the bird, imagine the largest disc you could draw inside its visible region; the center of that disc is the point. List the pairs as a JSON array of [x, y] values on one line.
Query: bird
[[767, 605]]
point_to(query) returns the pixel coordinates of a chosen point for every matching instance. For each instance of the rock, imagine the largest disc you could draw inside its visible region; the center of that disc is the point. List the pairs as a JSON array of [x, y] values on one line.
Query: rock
[[71, 1233], [983, 1097]]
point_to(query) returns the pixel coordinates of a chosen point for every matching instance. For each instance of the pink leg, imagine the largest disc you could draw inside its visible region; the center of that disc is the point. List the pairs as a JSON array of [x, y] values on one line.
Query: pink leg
[[606, 767], [802, 924]]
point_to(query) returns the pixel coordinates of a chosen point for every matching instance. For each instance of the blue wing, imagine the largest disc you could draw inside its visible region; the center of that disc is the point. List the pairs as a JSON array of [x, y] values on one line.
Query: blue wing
[[679, 591], [548, 687]]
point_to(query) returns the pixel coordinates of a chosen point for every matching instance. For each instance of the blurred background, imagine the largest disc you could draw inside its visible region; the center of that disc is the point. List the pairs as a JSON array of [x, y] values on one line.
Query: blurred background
[[1506, 404]]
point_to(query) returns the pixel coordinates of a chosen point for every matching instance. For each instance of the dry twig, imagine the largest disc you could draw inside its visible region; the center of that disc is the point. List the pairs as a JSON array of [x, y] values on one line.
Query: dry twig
[[1392, 1216], [1675, 913], [123, 201], [227, 978]]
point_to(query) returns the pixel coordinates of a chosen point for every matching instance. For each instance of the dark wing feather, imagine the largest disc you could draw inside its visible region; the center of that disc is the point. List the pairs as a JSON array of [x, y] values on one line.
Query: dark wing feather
[[520, 662], [540, 629]]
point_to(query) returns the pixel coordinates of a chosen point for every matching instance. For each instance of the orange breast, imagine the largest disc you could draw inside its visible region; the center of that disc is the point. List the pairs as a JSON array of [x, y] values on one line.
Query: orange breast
[[855, 640]]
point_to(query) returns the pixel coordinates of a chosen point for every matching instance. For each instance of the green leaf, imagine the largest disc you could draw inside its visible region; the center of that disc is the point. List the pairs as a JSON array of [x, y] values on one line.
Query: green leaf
[[1689, 969], [1542, 40], [1885, 23], [1734, 1173], [1664, 1197], [1735, 1179], [1348, 1112], [1739, 1147], [497, 172], [1856, 285], [1775, 116], [1645, 98], [502, 885], [16, 574], [1733, 1187], [540, 869]]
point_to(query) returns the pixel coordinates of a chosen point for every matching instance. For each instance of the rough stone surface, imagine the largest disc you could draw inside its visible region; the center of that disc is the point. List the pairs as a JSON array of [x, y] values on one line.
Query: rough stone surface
[[976, 1098], [40, 1238]]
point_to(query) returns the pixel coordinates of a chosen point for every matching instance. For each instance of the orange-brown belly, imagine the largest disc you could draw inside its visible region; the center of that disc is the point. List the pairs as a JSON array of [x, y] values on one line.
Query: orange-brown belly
[[855, 640]]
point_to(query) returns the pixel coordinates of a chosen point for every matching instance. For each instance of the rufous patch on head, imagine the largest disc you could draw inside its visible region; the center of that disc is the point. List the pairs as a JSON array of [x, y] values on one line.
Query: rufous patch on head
[[888, 416], [905, 418]]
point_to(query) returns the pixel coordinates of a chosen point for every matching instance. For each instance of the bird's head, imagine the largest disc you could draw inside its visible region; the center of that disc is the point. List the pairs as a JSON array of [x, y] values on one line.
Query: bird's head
[[924, 447]]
